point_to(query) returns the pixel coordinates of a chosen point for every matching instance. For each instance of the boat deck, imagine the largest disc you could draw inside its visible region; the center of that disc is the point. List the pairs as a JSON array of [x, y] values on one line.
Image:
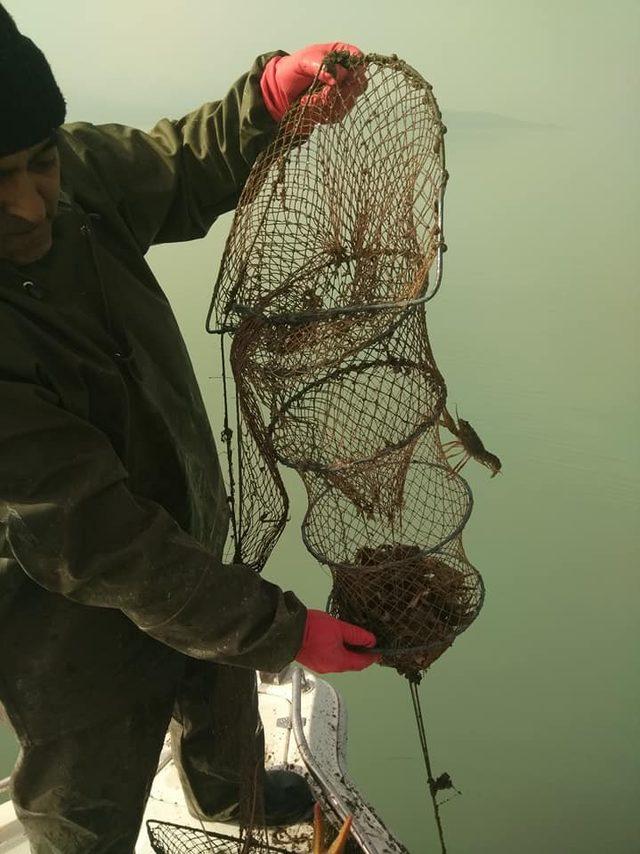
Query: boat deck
[[305, 728]]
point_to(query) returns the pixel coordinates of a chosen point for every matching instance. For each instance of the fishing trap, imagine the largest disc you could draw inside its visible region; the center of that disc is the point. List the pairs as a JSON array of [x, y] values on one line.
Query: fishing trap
[[335, 250]]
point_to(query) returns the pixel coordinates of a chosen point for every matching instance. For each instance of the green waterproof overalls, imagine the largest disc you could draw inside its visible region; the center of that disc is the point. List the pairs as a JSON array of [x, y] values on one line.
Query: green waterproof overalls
[[116, 611]]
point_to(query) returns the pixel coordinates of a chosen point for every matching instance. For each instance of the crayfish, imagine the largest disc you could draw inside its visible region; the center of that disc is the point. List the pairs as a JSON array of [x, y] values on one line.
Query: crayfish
[[467, 443]]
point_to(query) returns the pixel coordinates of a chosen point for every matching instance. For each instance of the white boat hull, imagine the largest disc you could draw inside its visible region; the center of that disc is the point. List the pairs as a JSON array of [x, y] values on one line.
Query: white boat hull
[[305, 730]]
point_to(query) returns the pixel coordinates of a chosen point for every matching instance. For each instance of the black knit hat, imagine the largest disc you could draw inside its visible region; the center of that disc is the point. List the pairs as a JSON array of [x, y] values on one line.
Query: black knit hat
[[31, 105]]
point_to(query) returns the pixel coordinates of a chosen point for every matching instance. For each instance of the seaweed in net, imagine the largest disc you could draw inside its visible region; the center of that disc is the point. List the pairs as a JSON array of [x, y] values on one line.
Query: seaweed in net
[[335, 249]]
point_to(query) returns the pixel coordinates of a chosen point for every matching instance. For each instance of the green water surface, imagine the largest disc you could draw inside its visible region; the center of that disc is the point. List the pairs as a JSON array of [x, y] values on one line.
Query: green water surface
[[533, 711]]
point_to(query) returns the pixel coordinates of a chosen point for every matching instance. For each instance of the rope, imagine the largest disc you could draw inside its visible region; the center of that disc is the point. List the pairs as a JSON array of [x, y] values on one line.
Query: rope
[[241, 533], [433, 788], [206, 836], [227, 435]]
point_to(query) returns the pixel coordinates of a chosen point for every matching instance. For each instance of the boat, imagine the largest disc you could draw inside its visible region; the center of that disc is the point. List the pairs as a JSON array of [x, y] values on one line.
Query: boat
[[305, 725]]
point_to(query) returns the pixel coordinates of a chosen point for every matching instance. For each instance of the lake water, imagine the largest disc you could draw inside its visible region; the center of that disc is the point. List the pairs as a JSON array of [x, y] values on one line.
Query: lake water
[[533, 710]]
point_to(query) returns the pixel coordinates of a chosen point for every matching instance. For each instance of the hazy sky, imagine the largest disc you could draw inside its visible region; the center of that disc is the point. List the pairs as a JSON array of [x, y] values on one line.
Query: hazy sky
[[568, 63]]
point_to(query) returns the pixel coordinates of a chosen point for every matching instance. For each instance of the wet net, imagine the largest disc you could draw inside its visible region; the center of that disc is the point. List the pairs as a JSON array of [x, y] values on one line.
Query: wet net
[[335, 249], [168, 838]]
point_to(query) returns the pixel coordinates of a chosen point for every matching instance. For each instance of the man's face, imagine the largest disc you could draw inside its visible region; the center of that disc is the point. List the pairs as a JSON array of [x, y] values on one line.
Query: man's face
[[29, 194]]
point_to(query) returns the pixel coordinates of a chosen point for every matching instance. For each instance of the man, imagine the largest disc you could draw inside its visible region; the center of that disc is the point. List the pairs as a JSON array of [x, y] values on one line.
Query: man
[[116, 612]]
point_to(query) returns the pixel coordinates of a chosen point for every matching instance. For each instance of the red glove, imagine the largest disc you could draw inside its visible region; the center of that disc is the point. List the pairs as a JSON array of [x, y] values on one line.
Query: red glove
[[323, 646], [285, 78]]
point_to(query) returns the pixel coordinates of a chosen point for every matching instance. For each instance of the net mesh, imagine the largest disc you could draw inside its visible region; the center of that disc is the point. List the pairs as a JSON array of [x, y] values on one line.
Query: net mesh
[[168, 838], [335, 249]]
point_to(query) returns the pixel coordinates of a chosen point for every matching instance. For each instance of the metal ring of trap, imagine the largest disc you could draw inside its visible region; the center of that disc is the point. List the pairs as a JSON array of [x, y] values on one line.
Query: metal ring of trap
[[437, 388], [425, 551], [225, 304]]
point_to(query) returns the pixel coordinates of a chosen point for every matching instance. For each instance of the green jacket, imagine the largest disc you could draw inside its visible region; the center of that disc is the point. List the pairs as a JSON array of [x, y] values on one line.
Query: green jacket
[[111, 494]]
